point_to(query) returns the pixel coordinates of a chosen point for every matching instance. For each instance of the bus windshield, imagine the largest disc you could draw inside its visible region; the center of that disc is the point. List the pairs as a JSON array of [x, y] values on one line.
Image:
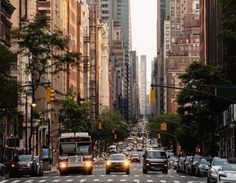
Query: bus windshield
[[72, 149]]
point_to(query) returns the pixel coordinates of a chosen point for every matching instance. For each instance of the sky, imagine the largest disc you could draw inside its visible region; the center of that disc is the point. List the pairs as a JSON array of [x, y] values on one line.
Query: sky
[[143, 25]]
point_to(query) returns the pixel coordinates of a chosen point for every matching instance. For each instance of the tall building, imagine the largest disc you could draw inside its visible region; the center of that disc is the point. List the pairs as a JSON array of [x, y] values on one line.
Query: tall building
[[163, 14], [8, 127], [117, 13], [214, 51], [134, 88], [143, 84], [184, 45]]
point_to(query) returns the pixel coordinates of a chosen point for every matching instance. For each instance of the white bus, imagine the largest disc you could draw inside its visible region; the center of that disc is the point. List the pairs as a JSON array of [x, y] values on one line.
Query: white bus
[[75, 153]]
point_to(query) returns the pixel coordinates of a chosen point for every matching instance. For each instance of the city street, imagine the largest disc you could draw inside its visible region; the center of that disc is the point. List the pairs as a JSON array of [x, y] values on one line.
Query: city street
[[99, 175]]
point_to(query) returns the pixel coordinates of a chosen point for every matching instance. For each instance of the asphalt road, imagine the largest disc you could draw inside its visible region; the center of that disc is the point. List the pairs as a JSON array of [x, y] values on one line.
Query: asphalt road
[[136, 176]]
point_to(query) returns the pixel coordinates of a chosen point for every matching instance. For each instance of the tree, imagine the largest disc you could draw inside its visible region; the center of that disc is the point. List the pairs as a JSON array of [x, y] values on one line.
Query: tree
[[47, 50], [73, 115], [8, 87], [195, 108], [112, 125], [168, 136]]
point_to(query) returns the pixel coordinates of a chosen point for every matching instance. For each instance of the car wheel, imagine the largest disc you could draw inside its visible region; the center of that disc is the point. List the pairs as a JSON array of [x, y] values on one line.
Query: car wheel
[[165, 171], [11, 175], [145, 171], [107, 172]]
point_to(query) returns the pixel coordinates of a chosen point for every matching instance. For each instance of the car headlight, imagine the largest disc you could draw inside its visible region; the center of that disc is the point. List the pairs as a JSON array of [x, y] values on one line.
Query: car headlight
[[88, 164], [62, 165], [108, 163], [126, 163]]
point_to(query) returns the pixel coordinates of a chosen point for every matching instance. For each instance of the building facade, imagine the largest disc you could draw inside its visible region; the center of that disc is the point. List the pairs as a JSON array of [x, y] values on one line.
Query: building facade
[[143, 84]]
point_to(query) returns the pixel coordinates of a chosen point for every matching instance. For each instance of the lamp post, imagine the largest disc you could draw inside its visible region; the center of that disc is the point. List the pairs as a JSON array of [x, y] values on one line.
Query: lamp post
[[33, 105]]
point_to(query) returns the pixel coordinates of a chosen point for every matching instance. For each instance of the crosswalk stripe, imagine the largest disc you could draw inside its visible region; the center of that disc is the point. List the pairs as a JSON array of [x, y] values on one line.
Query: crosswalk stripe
[[83, 180], [176, 181], [162, 180], [29, 181], [109, 180], [123, 180], [42, 180], [96, 180], [56, 180], [69, 180], [15, 181], [149, 180]]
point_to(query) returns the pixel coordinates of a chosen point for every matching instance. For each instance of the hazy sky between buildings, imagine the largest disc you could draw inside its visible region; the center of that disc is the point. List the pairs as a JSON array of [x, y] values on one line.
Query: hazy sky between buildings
[[143, 21]]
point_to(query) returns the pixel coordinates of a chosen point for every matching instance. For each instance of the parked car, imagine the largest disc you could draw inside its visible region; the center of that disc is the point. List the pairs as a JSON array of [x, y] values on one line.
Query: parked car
[[135, 158], [117, 163], [227, 173], [215, 166], [202, 168], [2, 169], [180, 165], [155, 160], [187, 164], [39, 162], [194, 164], [172, 162], [22, 165]]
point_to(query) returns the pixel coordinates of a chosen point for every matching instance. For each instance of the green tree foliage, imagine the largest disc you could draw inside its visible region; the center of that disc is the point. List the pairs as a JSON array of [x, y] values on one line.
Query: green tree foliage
[[229, 20], [47, 50], [8, 87], [112, 122], [168, 137], [74, 116], [195, 108]]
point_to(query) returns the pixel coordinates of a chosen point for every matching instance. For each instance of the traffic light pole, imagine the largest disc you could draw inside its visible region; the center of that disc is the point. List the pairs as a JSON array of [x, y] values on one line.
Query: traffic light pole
[[196, 91]]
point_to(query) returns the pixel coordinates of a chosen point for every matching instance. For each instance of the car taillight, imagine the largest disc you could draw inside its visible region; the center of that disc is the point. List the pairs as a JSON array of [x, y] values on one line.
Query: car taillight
[[13, 165], [29, 164]]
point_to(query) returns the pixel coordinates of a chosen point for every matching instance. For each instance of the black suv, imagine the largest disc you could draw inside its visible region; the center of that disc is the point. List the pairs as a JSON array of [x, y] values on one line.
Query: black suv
[[155, 160]]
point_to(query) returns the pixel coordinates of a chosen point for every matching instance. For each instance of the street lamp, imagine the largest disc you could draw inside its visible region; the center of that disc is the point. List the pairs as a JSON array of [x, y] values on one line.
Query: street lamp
[[33, 106]]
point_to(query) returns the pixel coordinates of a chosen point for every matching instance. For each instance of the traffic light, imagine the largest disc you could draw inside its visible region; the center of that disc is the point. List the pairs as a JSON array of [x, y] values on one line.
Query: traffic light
[[49, 95], [152, 96], [163, 126], [158, 136]]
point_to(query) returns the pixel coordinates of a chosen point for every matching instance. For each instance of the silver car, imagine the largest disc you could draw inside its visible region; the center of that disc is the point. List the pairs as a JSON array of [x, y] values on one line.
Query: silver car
[[227, 173], [215, 166], [39, 163]]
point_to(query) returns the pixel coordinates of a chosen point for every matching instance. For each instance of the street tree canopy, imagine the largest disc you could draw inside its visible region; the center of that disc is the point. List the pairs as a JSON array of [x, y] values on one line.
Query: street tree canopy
[[47, 50], [195, 108], [113, 126], [73, 115], [8, 87]]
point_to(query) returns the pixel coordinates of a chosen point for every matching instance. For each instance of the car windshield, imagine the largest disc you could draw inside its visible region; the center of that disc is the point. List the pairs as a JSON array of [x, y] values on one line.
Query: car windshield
[[117, 157], [156, 154], [71, 149], [204, 162], [219, 162], [25, 158], [229, 167]]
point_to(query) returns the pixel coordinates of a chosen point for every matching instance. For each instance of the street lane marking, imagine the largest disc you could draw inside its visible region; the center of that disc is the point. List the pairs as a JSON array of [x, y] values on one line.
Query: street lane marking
[[15, 181], [42, 180], [29, 181], [136, 181], [148, 175], [149, 180], [162, 180], [176, 181], [69, 180], [96, 180], [102, 175], [4, 181], [136, 175], [123, 180], [83, 180], [56, 180], [109, 180], [113, 175]]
